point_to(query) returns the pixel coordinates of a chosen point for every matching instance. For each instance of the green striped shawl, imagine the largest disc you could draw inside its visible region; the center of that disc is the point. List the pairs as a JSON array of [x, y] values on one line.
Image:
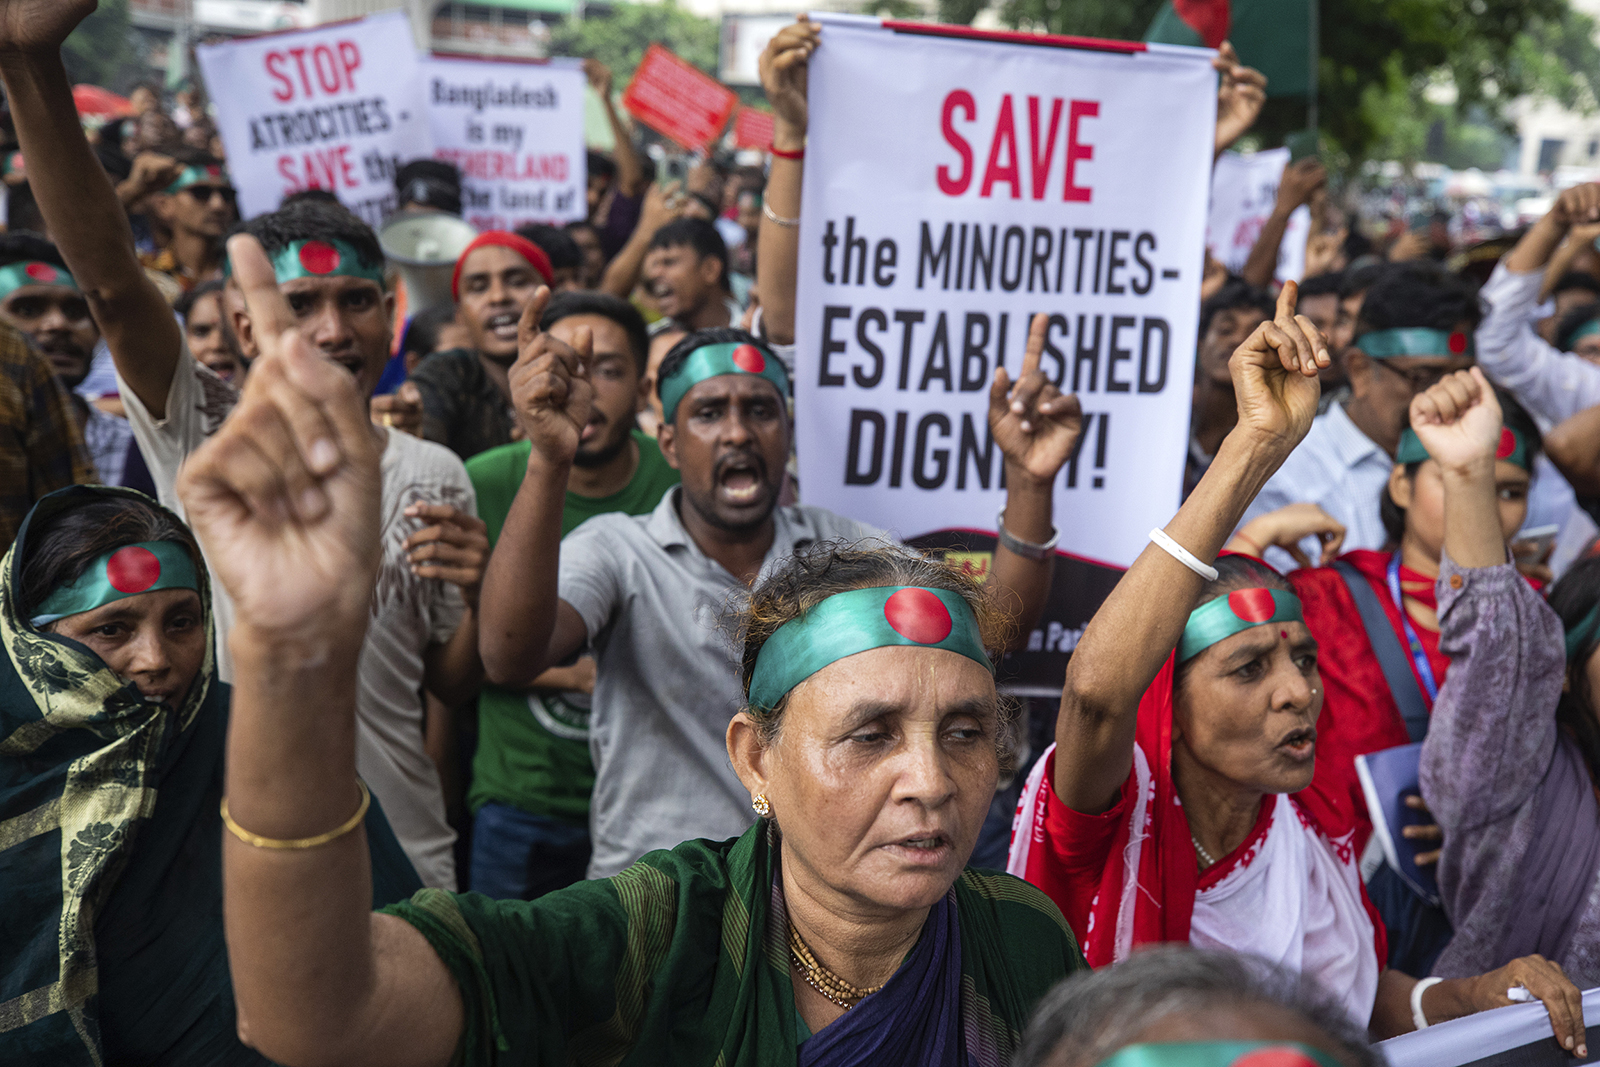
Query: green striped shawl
[[673, 961]]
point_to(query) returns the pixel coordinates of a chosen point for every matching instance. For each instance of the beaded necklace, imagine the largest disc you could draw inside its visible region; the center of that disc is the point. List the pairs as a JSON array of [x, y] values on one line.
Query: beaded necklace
[[818, 977]]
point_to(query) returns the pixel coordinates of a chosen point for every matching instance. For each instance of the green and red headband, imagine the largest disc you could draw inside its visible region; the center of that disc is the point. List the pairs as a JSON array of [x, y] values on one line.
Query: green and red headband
[[1513, 448], [858, 621], [123, 572], [209, 175], [1219, 619], [1221, 1054], [1416, 341], [323, 259], [1586, 330], [14, 276], [715, 360]]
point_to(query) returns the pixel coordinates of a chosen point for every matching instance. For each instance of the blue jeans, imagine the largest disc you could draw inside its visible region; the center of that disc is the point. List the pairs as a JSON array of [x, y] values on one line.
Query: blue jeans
[[518, 856]]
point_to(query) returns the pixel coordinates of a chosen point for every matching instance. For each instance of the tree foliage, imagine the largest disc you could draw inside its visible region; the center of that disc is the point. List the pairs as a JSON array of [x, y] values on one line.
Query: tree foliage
[[101, 50], [1378, 54], [618, 36]]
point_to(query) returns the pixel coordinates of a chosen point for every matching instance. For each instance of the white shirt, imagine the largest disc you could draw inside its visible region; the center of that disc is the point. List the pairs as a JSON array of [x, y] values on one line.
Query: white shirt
[[1550, 383], [1342, 471], [408, 613]]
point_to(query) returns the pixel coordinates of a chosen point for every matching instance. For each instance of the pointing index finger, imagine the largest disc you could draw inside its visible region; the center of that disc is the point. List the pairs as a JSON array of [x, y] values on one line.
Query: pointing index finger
[[528, 326], [1035, 349], [270, 316]]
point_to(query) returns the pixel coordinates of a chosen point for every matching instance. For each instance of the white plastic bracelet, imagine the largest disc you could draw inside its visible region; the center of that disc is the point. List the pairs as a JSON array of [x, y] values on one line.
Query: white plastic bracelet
[[1159, 538], [1417, 990]]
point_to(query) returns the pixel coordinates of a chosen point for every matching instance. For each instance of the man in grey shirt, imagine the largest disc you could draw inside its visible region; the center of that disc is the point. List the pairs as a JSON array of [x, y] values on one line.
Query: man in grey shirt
[[649, 593]]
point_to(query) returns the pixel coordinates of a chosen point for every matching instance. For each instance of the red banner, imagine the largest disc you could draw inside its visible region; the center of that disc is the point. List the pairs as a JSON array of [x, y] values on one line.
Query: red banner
[[678, 100], [753, 129]]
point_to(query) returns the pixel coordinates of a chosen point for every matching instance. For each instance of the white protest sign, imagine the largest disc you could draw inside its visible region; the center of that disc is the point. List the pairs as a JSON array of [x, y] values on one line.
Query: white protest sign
[[1244, 189], [515, 130], [337, 108], [957, 183]]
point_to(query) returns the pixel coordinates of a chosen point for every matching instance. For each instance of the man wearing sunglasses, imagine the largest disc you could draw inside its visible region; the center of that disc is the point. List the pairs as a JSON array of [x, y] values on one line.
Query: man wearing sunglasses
[[198, 208], [40, 298], [1415, 326]]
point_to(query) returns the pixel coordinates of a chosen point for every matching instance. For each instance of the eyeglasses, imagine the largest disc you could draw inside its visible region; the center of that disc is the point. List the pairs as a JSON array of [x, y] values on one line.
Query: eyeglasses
[[1420, 379], [204, 194]]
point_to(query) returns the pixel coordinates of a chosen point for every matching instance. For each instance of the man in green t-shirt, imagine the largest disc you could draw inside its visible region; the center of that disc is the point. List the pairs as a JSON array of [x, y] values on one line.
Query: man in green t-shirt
[[531, 776]]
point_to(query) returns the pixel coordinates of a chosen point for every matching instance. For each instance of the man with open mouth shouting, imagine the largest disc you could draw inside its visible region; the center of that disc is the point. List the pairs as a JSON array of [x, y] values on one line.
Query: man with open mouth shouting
[[647, 593], [466, 397]]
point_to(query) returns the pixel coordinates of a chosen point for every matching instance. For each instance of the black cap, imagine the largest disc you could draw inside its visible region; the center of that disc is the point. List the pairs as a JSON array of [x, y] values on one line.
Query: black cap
[[430, 183]]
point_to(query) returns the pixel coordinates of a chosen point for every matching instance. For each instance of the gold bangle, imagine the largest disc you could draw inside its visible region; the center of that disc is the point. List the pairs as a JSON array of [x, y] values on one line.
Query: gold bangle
[[257, 841]]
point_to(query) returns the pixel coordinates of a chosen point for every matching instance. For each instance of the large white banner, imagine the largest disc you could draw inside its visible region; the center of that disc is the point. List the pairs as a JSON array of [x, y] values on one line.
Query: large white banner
[[955, 184], [516, 131], [337, 108], [1244, 190]]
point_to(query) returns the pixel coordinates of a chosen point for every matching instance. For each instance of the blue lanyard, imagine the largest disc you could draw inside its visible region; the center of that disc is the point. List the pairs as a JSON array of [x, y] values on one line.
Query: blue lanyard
[[1418, 655]]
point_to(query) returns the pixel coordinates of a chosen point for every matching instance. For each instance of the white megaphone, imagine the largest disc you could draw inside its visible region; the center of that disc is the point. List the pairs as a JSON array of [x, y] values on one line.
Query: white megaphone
[[425, 247]]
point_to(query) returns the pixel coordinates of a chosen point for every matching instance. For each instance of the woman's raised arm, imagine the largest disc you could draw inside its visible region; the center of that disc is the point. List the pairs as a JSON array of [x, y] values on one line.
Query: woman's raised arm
[[284, 499], [1275, 380]]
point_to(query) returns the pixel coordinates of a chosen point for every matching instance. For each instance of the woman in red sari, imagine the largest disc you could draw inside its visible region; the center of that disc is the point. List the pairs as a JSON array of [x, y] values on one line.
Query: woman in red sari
[[1361, 713], [1189, 709]]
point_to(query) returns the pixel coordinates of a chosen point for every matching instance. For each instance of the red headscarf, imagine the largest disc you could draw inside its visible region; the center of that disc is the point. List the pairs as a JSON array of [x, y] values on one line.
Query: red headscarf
[[1129, 877], [520, 245]]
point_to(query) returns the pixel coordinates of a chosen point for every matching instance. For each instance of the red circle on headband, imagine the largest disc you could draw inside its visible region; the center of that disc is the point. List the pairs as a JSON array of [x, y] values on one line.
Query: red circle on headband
[[1508, 443], [1458, 342], [1252, 605], [1275, 1057], [41, 272], [749, 358], [319, 257], [133, 569], [919, 615]]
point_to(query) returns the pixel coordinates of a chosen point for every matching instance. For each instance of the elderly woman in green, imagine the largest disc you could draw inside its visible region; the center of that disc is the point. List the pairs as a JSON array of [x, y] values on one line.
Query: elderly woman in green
[[842, 928]]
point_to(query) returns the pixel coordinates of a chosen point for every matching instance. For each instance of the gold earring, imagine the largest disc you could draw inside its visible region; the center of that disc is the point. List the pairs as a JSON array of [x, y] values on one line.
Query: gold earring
[[761, 804]]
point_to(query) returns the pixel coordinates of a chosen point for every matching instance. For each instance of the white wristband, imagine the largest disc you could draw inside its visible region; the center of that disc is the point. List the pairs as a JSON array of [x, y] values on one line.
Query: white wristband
[[1159, 538], [1417, 990]]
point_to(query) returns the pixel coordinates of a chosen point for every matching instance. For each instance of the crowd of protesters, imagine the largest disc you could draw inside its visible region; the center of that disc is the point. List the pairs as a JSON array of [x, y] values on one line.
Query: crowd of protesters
[[475, 685]]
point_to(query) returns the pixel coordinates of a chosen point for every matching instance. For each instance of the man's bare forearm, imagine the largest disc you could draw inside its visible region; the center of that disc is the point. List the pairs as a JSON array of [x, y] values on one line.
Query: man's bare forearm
[[89, 225]]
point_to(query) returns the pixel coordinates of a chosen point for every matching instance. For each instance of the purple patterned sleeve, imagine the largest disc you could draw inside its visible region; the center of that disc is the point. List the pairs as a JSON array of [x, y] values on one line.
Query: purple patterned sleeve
[[1493, 731]]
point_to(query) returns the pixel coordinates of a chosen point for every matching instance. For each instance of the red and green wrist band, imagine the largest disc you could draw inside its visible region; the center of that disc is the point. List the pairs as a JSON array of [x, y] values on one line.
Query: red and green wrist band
[[128, 571], [323, 259], [712, 361], [210, 175], [1513, 448], [1219, 619], [858, 621], [1416, 341], [14, 276], [1221, 1054]]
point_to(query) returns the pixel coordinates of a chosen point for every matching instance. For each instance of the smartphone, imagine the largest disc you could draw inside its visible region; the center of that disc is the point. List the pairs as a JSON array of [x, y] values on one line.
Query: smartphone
[[1302, 144], [1534, 544], [671, 169]]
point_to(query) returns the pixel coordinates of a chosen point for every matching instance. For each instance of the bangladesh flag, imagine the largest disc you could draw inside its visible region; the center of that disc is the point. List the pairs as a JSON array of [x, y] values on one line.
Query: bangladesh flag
[[1273, 36]]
